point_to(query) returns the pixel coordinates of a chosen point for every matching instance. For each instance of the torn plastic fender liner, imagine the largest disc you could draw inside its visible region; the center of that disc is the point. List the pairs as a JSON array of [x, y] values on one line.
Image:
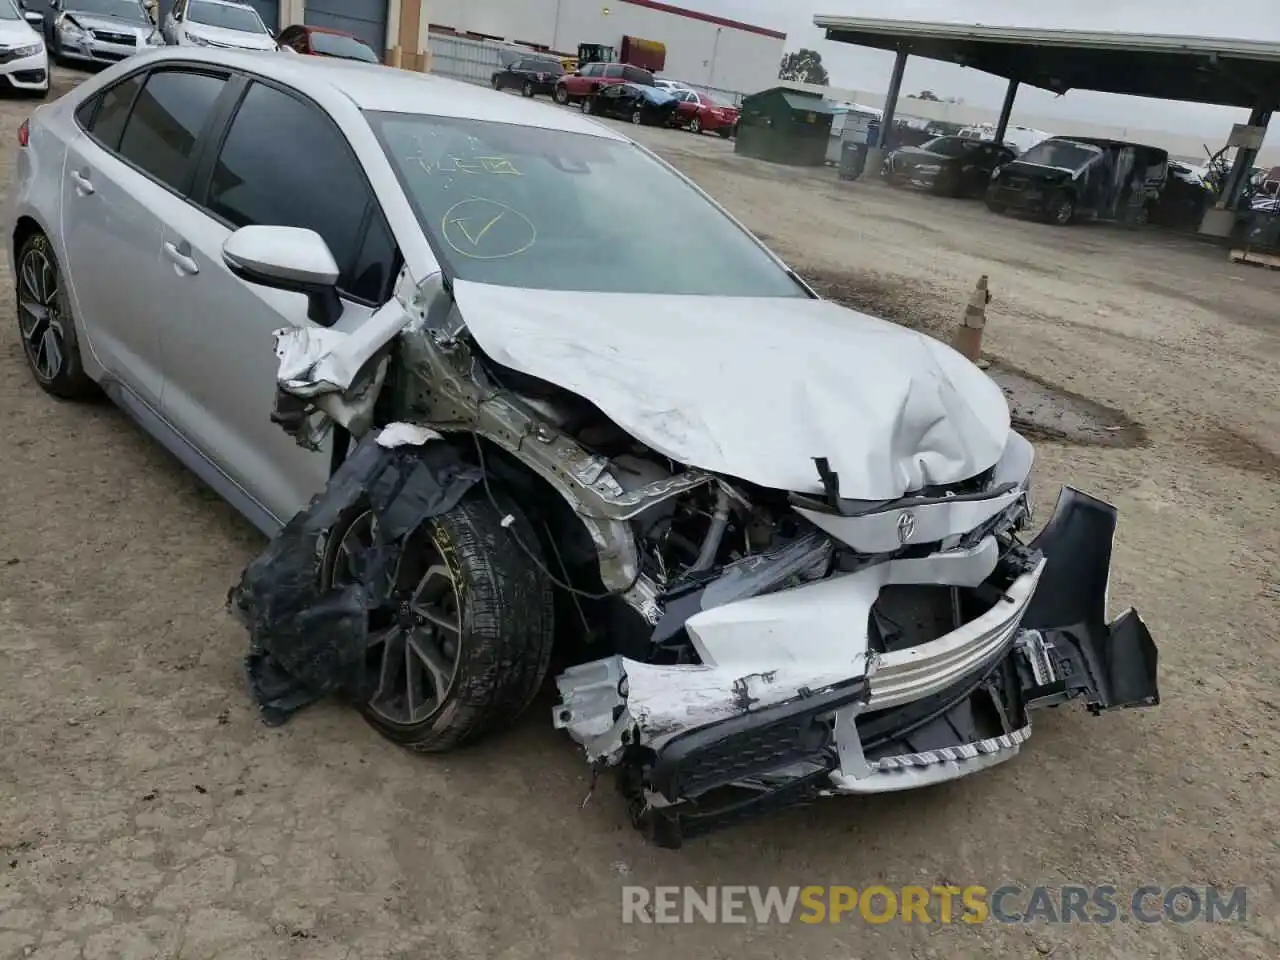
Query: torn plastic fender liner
[[306, 641]]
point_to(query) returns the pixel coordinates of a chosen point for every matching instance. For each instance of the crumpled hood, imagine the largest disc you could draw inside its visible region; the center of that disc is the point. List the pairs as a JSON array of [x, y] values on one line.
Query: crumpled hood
[[96, 21], [756, 388]]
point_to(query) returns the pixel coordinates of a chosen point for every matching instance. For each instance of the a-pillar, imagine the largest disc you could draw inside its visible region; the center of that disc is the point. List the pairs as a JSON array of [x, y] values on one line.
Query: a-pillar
[[876, 155], [1006, 111]]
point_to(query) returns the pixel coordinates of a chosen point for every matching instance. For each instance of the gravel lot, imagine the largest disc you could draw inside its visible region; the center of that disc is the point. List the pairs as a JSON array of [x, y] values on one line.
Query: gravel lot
[[145, 812]]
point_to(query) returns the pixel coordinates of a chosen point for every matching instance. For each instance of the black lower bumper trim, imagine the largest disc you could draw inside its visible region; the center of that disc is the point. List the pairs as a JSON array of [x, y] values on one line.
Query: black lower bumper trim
[[715, 759]]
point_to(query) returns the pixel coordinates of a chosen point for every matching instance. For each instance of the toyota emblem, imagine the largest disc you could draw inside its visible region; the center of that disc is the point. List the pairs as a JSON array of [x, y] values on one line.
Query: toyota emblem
[[906, 526]]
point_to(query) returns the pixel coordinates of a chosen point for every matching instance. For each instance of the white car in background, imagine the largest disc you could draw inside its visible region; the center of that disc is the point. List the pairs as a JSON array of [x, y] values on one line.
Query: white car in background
[[216, 23], [24, 62]]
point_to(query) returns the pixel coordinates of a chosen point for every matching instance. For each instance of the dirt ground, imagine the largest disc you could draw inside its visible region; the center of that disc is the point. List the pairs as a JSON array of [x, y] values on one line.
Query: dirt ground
[[146, 812]]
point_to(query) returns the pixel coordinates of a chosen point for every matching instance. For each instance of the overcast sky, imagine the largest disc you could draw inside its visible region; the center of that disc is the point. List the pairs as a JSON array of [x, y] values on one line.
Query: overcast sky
[[862, 69]]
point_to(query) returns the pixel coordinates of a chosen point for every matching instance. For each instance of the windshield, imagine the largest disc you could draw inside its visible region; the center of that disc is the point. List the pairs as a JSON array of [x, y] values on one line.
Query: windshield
[[948, 146], [120, 9], [545, 209], [341, 45], [8, 11], [1066, 154], [244, 19]]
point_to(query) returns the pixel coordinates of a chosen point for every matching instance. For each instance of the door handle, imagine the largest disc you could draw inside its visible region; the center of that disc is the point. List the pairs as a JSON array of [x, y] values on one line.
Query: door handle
[[179, 255], [84, 186]]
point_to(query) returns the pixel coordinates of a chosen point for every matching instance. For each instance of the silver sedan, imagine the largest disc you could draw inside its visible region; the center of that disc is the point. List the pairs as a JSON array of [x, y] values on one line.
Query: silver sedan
[[493, 376]]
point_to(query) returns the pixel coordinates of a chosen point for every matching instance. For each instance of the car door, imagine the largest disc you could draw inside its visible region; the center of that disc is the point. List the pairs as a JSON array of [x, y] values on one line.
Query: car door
[[687, 105], [612, 101], [137, 152], [282, 162]]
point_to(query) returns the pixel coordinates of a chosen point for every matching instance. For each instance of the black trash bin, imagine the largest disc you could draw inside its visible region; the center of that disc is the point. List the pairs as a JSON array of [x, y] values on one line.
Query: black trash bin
[[853, 160]]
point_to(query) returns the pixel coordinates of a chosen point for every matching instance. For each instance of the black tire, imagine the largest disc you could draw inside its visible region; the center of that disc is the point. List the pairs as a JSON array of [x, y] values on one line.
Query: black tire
[[526, 89], [637, 117], [44, 311], [695, 126], [504, 611], [561, 96], [496, 82], [725, 133], [1060, 210], [587, 105]]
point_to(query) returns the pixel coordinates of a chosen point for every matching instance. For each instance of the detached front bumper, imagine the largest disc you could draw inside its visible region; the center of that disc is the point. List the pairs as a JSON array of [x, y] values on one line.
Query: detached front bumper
[[705, 749], [92, 50]]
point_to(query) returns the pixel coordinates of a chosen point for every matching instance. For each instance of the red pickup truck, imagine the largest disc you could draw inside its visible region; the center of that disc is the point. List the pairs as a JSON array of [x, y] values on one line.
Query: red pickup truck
[[590, 77]]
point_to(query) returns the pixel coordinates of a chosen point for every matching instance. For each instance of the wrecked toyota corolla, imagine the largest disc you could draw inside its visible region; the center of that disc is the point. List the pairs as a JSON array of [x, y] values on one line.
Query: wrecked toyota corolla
[[775, 549]]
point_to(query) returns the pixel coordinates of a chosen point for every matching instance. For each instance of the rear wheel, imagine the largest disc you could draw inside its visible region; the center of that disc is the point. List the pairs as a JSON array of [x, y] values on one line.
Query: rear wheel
[[526, 89], [586, 105], [497, 82], [695, 125], [561, 95], [464, 646], [45, 324], [637, 117]]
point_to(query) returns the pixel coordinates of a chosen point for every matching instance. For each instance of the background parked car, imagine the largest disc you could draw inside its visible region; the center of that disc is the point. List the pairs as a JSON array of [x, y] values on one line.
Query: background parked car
[[673, 85], [635, 102], [95, 31], [530, 75], [323, 42], [701, 112], [950, 166], [26, 70], [215, 23], [1064, 179], [592, 76]]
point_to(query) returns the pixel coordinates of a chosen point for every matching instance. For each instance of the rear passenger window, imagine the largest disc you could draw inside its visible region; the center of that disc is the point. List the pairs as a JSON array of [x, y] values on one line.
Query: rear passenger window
[[161, 132], [284, 163], [104, 116]]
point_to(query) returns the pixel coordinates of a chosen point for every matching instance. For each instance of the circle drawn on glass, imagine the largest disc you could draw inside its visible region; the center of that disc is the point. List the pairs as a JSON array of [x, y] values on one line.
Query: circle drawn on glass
[[485, 229]]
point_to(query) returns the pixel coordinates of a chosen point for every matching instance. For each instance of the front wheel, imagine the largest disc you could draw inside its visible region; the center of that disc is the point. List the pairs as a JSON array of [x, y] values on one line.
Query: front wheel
[[526, 89], [637, 117], [1061, 210], [496, 82], [586, 105], [561, 96], [464, 647], [695, 126]]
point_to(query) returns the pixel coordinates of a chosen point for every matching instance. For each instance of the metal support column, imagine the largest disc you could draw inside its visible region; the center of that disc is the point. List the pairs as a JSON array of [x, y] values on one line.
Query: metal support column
[[1006, 111], [1221, 219], [876, 155]]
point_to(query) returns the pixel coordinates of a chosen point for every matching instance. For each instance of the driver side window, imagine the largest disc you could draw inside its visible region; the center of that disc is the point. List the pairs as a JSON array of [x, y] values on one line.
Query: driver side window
[[284, 163]]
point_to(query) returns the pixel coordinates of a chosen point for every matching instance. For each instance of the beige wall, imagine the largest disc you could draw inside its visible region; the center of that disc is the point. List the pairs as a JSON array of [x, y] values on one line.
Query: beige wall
[[406, 30]]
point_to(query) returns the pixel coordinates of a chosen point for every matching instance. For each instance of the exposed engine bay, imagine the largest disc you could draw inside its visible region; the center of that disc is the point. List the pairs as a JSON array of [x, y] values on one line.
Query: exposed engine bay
[[733, 648]]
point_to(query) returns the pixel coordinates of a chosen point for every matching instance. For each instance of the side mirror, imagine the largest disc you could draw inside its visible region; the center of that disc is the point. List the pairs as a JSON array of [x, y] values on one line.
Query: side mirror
[[33, 17], [287, 258]]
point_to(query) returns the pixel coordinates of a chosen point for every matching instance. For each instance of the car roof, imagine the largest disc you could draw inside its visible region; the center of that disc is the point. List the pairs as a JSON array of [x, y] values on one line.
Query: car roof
[[371, 86], [229, 3]]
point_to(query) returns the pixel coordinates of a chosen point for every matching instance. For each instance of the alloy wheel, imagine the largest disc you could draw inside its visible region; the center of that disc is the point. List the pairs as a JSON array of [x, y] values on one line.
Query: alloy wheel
[[412, 660], [695, 125], [637, 118], [40, 315]]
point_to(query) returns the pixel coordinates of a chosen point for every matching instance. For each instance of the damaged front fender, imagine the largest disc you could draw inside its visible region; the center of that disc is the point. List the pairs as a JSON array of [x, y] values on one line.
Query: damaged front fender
[[306, 635]]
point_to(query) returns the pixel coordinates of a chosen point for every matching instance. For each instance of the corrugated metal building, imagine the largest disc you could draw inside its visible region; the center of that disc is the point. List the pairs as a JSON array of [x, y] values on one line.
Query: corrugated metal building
[[701, 49]]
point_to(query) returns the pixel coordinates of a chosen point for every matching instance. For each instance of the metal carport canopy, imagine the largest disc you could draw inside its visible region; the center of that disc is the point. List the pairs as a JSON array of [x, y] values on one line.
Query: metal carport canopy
[[1237, 73]]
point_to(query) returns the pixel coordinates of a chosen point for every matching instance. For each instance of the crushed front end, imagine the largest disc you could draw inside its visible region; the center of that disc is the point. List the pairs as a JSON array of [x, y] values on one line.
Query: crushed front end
[[885, 646]]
